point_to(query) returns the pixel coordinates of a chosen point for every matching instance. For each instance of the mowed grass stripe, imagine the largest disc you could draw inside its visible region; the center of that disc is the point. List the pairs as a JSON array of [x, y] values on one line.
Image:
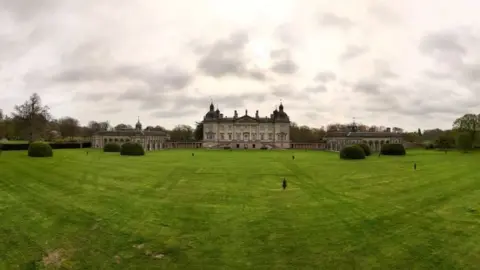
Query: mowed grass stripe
[[226, 210]]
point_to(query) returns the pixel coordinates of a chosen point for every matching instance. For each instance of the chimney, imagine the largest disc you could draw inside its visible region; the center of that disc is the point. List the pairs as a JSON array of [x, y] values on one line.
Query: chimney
[[388, 130]]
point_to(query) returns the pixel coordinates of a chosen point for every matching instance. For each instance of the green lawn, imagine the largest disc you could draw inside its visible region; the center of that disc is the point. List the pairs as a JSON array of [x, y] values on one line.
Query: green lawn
[[226, 210]]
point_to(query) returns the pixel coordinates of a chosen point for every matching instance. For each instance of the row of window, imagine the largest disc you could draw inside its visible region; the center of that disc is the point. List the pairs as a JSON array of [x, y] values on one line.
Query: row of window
[[125, 140], [246, 137]]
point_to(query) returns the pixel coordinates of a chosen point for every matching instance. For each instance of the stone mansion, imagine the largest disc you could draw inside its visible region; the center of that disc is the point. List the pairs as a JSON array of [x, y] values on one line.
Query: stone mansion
[[246, 131]]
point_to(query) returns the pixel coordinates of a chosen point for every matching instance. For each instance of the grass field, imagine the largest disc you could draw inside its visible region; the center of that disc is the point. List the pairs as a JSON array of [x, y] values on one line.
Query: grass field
[[226, 210]]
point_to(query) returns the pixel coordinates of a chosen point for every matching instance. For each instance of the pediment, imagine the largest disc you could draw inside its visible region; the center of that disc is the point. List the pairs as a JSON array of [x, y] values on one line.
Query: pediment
[[246, 119]]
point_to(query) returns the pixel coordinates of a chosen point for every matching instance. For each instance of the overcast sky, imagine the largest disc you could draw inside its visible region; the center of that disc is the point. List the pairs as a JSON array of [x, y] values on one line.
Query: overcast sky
[[406, 63]]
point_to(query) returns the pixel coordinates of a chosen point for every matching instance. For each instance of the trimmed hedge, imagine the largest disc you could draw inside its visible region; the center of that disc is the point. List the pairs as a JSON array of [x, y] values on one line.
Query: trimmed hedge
[[393, 149], [111, 147], [25, 146], [40, 149], [366, 149], [132, 149], [352, 152]]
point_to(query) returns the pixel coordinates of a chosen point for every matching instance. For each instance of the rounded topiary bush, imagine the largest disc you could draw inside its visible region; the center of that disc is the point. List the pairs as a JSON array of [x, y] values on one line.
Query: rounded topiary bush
[[132, 149], [352, 152], [40, 149], [393, 149], [366, 149], [111, 147]]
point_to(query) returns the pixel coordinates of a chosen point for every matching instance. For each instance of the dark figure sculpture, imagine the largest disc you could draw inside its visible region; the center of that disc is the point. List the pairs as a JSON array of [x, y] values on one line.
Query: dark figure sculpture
[[193, 154], [284, 183], [86, 152], [293, 157], [415, 166]]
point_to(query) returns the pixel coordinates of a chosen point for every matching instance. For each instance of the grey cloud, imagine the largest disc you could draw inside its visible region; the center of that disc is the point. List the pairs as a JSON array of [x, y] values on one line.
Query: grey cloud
[[280, 53], [437, 75], [283, 62], [166, 114], [333, 20], [443, 42], [168, 78], [91, 97], [383, 70], [24, 10], [353, 51], [226, 58], [368, 87], [325, 76], [134, 93], [316, 89], [282, 90], [287, 66]]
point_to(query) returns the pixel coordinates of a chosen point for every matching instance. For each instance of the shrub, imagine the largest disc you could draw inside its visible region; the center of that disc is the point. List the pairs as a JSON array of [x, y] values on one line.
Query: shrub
[[464, 142], [264, 148], [111, 147], [40, 149], [429, 146], [393, 149], [132, 149], [227, 147], [352, 152], [366, 149]]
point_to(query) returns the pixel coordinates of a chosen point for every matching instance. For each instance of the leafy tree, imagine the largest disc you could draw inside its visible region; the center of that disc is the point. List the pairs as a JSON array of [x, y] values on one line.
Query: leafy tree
[[69, 127], [419, 132], [445, 141], [469, 123], [122, 126], [32, 116], [464, 141], [181, 133], [198, 132]]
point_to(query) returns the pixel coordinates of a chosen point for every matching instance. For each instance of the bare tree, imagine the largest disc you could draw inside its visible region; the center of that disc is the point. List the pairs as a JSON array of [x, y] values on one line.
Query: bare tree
[[32, 116]]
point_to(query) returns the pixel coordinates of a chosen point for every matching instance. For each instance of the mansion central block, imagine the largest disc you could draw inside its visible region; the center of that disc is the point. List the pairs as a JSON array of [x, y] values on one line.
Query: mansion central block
[[246, 131]]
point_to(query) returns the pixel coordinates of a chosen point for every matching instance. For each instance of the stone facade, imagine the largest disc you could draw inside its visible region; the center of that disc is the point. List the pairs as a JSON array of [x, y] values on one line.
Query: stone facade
[[150, 140], [335, 141], [246, 131]]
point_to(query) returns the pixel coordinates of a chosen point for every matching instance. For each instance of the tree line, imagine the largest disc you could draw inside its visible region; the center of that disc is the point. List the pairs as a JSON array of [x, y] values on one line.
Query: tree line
[[32, 121]]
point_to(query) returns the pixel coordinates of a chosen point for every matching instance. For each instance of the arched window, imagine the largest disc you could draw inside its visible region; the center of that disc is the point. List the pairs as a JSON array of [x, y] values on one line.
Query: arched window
[[110, 140], [121, 140]]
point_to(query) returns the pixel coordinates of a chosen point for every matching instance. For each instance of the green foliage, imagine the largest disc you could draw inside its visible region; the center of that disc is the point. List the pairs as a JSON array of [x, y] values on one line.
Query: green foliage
[[445, 141], [132, 149], [352, 152], [366, 149], [393, 149], [111, 147], [198, 132], [40, 149], [429, 146], [464, 141]]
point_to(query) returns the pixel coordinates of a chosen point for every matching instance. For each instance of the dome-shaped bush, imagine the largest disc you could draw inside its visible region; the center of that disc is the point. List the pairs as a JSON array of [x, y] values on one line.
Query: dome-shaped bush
[[111, 147], [366, 149], [393, 149], [132, 149], [40, 149], [352, 152]]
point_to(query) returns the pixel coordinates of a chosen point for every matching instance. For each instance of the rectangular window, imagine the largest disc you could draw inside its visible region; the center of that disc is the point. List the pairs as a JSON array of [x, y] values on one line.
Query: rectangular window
[[262, 136], [221, 136], [229, 136], [270, 136]]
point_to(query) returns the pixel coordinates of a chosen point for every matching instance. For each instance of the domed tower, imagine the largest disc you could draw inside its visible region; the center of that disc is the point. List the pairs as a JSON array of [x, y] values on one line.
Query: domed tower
[[138, 126], [211, 113], [281, 114]]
